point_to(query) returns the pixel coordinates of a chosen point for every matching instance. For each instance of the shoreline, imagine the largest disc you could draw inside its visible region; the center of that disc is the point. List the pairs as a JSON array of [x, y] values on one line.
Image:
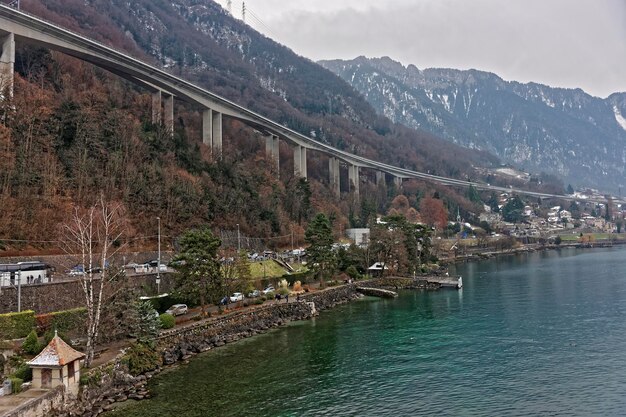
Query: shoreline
[[524, 249], [178, 346]]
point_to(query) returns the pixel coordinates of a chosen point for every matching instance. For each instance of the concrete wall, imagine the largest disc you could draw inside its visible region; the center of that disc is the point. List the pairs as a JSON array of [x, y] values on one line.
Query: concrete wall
[[43, 406]]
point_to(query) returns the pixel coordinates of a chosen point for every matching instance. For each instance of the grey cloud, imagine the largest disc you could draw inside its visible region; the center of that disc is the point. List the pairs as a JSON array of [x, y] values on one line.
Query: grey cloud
[[557, 42]]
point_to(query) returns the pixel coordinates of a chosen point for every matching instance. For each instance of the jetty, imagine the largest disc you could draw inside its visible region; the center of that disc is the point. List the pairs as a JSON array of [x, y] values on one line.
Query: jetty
[[443, 282], [377, 292]]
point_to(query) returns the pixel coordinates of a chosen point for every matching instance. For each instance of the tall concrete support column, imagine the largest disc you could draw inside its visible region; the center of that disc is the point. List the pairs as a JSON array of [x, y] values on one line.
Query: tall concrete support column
[[334, 177], [299, 161], [303, 164], [380, 177], [216, 129], [168, 111], [272, 144], [156, 107], [353, 176], [7, 62], [207, 127], [398, 182]]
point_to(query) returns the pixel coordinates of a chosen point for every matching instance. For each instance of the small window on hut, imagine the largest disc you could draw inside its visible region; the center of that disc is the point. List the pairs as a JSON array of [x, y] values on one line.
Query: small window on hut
[[70, 370]]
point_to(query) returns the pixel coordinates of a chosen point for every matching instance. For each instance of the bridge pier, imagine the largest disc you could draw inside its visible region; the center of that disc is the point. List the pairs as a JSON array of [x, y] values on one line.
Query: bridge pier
[[212, 131], [397, 181], [272, 144], [353, 176], [156, 107], [334, 177], [299, 161], [7, 63], [380, 177], [168, 111]]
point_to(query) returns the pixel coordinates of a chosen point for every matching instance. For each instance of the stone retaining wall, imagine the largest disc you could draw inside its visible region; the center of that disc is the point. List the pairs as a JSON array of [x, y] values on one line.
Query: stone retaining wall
[[182, 343], [64, 295], [397, 283]]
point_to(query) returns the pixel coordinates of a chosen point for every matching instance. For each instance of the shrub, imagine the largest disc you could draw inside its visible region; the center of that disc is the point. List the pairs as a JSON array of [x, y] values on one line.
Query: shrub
[[283, 291], [297, 286], [167, 321], [259, 301], [16, 385], [16, 325], [31, 345], [303, 277], [352, 272], [270, 296], [142, 358], [306, 288], [92, 378], [23, 372], [65, 321], [283, 283]]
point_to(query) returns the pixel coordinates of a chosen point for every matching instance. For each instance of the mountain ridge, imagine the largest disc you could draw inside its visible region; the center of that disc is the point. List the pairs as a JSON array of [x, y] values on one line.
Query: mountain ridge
[[534, 126]]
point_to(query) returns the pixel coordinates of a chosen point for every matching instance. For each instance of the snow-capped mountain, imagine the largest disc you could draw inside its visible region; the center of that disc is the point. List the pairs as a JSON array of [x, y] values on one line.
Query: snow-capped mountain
[[565, 132]]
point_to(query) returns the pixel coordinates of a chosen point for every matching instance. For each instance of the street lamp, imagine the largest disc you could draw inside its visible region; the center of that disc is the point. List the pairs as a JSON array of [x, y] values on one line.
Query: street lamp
[[238, 239], [158, 278]]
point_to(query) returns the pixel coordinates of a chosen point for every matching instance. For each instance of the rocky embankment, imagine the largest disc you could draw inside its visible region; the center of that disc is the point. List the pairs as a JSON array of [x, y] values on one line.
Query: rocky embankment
[[111, 383]]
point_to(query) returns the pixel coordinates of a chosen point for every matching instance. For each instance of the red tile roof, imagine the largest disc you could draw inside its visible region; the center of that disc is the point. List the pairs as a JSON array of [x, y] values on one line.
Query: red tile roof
[[57, 353]]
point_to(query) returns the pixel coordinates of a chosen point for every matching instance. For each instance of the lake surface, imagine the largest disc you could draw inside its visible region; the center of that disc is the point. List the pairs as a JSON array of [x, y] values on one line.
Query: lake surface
[[537, 334]]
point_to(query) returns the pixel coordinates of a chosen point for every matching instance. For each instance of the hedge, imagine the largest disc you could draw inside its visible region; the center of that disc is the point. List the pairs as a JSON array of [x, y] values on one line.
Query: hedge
[[65, 321], [16, 325]]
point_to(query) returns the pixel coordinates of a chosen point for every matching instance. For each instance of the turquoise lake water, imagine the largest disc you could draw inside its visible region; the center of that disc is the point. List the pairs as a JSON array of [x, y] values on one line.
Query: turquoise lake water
[[537, 334]]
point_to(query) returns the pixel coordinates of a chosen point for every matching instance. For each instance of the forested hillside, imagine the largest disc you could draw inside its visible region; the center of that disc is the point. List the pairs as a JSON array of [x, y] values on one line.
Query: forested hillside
[[73, 132]]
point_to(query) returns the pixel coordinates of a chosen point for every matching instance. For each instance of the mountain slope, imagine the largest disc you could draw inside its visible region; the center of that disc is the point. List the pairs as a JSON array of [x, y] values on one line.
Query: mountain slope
[[538, 128], [79, 131]]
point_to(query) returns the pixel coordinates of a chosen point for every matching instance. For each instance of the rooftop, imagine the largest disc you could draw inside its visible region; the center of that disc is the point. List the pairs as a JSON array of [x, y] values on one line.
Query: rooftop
[[57, 353]]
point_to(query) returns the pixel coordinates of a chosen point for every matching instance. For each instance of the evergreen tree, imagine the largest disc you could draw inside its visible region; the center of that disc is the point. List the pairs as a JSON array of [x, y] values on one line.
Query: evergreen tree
[[319, 236], [198, 275], [513, 210], [472, 195], [570, 189]]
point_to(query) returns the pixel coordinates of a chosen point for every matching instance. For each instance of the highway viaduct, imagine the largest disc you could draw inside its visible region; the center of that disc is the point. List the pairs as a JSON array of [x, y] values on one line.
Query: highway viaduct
[[18, 26]]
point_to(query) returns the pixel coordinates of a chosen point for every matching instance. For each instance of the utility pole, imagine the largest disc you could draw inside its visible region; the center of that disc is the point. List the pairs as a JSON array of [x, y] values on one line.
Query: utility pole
[[19, 290], [238, 240], [158, 278], [243, 12]]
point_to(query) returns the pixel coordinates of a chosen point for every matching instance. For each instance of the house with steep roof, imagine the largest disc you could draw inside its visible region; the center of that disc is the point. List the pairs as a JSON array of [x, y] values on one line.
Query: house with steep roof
[[58, 364]]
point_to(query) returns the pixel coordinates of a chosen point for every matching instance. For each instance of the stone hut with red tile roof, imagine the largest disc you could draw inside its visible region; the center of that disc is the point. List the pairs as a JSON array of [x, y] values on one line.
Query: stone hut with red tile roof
[[58, 364]]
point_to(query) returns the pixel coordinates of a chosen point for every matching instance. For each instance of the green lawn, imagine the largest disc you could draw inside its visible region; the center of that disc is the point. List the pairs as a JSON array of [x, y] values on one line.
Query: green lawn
[[266, 269]]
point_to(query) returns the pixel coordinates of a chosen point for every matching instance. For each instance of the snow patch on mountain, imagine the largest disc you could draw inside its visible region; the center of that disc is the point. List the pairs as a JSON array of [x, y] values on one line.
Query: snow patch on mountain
[[619, 118]]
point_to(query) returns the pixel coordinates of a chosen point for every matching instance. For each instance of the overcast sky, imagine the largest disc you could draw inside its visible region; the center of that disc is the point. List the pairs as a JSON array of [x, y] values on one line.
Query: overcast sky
[[562, 43]]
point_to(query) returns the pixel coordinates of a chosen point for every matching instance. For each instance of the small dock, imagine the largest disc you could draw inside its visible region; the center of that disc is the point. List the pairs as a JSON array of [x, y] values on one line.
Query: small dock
[[444, 282]]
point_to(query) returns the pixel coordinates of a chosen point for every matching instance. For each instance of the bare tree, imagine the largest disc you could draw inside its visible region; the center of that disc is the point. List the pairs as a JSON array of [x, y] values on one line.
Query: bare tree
[[92, 235]]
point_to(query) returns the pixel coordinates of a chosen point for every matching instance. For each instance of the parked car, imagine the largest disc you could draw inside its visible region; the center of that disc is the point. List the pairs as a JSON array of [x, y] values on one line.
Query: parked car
[[177, 309], [254, 294], [269, 290], [236, 297]]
